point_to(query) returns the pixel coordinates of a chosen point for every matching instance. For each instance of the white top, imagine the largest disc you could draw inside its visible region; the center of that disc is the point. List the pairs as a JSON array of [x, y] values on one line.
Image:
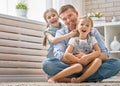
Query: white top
[[79, 45]]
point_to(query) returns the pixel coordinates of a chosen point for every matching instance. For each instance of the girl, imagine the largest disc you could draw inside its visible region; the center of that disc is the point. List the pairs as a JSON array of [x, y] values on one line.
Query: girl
[[52, 19], [86, 45]]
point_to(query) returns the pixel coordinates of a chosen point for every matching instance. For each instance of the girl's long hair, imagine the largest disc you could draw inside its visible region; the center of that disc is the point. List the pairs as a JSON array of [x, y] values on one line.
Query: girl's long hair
[[44, 15]]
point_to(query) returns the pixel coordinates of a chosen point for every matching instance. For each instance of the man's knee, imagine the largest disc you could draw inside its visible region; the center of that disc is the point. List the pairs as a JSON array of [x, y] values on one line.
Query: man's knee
[[110, 68], [47, 66], [114, 63]]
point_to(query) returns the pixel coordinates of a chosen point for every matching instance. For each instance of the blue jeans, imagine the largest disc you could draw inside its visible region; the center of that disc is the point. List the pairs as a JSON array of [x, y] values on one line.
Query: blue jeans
[[108, 69]]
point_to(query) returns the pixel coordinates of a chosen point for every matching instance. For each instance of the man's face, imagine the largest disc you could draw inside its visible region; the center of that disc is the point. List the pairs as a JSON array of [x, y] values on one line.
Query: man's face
[[69, 17]]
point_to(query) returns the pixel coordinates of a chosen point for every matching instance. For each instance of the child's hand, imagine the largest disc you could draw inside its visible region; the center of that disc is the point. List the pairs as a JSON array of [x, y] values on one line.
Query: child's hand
[[84, 60], [73, 33], [79, 54]]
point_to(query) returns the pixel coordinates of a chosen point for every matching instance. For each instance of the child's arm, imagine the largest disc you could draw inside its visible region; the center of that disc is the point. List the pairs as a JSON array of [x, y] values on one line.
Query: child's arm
[[96, 53], [61, 38], [90, 57], [79, 54], [68, 55]]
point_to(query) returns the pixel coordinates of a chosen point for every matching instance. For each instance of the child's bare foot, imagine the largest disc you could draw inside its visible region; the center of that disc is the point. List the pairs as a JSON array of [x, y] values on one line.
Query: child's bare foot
[[51, 80], [65, 80], [75, 80]]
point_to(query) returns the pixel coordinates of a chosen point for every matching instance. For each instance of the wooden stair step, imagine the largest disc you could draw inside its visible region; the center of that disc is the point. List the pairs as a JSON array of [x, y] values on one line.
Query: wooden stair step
[[23, 78]]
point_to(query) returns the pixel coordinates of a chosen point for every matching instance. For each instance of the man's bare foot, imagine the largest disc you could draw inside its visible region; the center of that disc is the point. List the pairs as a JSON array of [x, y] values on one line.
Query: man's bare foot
[[75, 80], [51, 80]]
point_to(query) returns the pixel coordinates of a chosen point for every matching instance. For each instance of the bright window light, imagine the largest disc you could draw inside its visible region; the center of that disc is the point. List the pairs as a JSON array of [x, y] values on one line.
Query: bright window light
[[35, 8]]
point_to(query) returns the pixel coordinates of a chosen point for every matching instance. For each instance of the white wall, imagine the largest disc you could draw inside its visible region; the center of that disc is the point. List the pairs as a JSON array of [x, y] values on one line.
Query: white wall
[[36, 9]]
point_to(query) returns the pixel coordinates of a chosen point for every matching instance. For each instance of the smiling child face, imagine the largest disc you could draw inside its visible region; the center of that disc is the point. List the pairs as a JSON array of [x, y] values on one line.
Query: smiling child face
[[84, 26], [52, 18]]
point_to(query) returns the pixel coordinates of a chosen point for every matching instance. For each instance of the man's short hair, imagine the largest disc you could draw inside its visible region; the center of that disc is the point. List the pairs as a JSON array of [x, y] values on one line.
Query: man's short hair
[[66, 7]]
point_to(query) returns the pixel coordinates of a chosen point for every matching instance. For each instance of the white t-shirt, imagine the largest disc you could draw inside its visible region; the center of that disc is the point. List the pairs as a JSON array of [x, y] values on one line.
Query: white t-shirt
[[79, 45]]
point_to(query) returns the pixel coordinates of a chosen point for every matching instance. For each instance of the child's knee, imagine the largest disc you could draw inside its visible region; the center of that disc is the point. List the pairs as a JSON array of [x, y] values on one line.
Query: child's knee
[[78, 68], [98, 61]]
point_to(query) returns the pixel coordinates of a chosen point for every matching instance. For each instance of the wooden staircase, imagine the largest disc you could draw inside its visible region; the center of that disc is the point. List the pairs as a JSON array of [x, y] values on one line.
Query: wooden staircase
[[21, 50]]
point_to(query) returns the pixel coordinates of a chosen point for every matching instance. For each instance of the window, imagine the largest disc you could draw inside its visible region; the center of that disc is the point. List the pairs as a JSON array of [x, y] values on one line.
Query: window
[[35, 8], [3, 6]]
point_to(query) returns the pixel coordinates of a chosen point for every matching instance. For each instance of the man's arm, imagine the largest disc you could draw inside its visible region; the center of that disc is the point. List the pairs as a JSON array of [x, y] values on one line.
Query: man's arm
[[104, 51], [60, 47]]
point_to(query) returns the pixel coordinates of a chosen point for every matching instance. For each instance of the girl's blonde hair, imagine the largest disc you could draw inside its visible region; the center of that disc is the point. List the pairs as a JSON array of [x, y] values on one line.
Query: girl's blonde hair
[[86, 17], [44, 15]]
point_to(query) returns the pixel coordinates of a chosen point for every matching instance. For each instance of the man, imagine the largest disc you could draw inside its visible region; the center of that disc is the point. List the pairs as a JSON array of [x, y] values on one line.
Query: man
[[69, 15]]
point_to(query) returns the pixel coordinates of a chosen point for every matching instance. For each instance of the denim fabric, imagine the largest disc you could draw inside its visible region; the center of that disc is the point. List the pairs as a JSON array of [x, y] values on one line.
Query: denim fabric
[[52, 30], [100, 40], [52, 66], [108, 69], [59, 48]]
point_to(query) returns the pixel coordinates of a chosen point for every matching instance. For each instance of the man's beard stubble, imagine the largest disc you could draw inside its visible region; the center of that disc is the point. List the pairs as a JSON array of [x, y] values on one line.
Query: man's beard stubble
[[73, 26]]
